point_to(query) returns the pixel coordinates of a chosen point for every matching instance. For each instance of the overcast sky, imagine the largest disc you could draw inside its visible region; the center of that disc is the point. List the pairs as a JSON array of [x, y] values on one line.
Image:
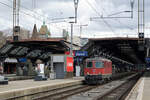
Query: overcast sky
[[45, 10]]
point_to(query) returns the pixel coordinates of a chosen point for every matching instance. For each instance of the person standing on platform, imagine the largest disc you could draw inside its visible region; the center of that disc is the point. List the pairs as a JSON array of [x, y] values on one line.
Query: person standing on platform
[[46, 71], [1, 69]]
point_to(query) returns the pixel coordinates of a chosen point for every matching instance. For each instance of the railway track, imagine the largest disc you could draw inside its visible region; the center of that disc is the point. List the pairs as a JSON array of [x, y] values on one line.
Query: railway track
[[84, 92], [115, 90], [120, 92], [64, 92]]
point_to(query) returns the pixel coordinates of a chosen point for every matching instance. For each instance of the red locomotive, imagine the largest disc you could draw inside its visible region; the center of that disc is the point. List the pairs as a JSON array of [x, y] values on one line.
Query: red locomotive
[[97, 70]]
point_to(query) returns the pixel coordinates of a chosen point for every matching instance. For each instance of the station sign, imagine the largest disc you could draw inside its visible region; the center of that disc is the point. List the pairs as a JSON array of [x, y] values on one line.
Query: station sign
[[147, 59], [81, 53], [23, 60]]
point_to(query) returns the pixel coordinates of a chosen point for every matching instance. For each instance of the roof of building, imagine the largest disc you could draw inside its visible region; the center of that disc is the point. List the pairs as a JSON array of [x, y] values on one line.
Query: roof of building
[[124, 48], [113, 38], [35, 48]]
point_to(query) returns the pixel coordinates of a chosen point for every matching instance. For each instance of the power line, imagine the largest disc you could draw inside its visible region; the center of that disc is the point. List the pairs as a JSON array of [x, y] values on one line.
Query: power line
[[120, 12], [35, 12], [34, 5], [25, 13], [121, 23], [118, 19], [29, 9], [108, 25], [4, 4], [20, 11]]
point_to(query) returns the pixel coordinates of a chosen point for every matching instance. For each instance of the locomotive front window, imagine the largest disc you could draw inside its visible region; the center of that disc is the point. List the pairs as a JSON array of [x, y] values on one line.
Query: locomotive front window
[[99, 64], [89, 64]]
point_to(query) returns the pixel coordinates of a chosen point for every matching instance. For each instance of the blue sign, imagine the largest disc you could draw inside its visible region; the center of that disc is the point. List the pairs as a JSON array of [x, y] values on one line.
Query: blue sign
[[22, 59], [81, 53], [147, 59]]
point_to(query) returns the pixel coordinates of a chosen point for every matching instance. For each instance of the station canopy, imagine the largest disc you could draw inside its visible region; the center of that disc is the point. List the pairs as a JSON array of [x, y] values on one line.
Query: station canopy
[[122, 49], [35, 48]]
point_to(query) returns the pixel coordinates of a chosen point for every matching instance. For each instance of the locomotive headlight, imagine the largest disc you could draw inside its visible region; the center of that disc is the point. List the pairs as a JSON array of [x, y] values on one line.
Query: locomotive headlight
[[87, 73]]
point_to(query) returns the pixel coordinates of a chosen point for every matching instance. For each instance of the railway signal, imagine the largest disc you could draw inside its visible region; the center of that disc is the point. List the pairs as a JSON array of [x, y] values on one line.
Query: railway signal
[[141, 35]]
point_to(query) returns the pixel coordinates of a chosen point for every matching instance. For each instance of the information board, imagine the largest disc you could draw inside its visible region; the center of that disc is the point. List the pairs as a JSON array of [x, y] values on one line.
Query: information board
[[69, 64]]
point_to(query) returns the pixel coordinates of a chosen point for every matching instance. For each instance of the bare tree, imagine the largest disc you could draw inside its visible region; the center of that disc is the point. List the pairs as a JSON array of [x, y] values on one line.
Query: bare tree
[[2, 39]]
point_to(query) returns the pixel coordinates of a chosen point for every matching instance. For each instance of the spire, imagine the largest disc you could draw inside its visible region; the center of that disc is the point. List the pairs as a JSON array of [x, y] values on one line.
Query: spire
[[34, 33]]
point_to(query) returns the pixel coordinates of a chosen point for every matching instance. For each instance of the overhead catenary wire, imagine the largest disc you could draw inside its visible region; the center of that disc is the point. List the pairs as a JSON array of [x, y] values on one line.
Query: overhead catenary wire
[[106, 23], [121, 23], [33, 8], [26, 13], [36, 13], [20, 11], [33, 11], [9, 20], [7, 6]]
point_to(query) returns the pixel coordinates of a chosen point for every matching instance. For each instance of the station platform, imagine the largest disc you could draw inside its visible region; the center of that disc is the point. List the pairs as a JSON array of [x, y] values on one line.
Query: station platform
[[27, 87], [141, 91], [13, 77]]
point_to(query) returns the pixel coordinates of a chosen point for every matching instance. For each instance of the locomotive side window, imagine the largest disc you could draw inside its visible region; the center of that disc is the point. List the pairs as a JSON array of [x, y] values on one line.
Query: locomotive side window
[[99, 64], [89, 64]]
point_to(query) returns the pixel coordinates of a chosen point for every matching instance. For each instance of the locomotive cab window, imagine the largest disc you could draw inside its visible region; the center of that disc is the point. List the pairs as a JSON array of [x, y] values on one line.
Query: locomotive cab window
[[99, 64], [89, 64]]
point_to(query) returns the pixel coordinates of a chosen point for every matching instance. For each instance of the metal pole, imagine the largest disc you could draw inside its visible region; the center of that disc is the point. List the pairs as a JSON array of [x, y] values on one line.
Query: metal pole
[[132, 5], [81, 26], [52, 67], [18, 9], [14, 15], [75, 14], [144, 16], [138, 16], [147, 55], [71, 50], [80, 31], [76, 7]]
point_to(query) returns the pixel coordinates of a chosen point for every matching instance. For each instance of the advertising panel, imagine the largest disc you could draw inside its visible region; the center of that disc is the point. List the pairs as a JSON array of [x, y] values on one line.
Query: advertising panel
[[41, 68], [69, 64]]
